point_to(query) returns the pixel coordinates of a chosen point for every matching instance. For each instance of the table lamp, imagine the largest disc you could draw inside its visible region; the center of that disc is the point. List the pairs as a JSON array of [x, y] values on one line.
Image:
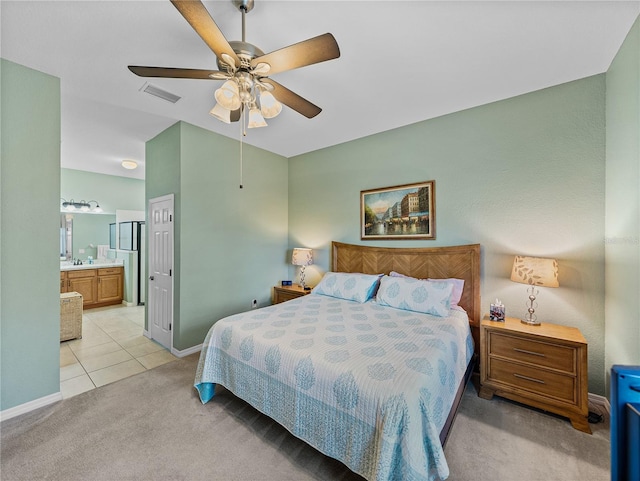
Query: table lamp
[[302, 257], [535, 271]]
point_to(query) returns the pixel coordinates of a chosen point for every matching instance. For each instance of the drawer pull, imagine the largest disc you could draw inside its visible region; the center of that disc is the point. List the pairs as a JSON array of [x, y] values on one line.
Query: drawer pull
[[524, 351], [527, 378]]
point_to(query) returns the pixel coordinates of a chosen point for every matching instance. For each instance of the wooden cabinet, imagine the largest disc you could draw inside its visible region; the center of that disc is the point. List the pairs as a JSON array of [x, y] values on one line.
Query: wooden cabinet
[[110, 285], [85, 282], [542, 366], [99, 287], [286, 293]]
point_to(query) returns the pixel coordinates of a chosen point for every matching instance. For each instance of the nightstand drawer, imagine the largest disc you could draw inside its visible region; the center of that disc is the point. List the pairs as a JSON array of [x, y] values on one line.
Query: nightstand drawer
[[286, 293], [535, 380], [543, 354], [287, 296]]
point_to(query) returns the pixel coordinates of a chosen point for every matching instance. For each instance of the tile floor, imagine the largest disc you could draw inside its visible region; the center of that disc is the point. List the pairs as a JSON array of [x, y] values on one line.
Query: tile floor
[[112, 347]]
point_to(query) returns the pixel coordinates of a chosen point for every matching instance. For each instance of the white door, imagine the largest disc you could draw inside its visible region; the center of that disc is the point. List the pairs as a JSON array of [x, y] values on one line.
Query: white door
[[160, 291]]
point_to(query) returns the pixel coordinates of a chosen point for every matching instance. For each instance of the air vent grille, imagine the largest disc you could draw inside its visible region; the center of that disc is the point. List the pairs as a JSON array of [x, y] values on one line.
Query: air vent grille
[[158, 92]]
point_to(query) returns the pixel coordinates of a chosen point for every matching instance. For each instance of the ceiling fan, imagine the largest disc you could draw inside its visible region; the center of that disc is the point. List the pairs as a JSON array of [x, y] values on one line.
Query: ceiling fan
[[246, 69]]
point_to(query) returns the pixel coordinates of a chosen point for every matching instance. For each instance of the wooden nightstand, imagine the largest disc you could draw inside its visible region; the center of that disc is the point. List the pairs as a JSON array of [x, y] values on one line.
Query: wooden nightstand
[[542, 366], [286, 293]]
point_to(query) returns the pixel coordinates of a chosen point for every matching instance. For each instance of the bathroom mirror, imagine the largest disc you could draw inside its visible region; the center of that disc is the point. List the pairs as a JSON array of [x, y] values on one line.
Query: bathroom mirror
[[82, 233], [66, 236]]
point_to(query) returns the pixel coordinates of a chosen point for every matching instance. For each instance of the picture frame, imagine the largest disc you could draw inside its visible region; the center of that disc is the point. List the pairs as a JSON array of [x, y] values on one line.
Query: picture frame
[[401, 212]]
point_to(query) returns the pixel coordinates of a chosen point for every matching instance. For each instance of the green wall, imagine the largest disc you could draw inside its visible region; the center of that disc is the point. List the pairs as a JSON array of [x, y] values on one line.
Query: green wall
[[520, 176], [622, 241], [162, 176], [29, 226], [230, 243], [111, 191]]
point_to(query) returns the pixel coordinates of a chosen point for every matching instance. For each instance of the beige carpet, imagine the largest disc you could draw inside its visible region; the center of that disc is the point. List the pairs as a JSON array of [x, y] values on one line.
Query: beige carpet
[[153, 427]]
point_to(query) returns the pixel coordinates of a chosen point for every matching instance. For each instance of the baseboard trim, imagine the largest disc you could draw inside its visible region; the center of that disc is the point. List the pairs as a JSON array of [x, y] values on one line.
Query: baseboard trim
[[186, 352], [600, 402], [30, 406]]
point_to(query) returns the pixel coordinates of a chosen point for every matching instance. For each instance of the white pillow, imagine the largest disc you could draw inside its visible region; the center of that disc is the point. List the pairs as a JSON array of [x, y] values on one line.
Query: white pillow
[[346, 285], [456, 293], [412, 294]]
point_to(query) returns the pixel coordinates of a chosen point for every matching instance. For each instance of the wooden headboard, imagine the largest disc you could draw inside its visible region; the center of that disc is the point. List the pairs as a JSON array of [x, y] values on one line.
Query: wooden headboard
[[461, 262]]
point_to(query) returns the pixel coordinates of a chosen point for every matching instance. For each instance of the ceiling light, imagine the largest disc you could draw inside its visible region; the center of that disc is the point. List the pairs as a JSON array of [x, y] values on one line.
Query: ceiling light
[[129, 164], [228, 96], [220, 113], [255, 118], [269, 106]]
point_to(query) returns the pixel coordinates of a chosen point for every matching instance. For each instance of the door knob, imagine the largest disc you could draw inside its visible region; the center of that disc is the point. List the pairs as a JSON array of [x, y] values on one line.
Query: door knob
[[150, 278]]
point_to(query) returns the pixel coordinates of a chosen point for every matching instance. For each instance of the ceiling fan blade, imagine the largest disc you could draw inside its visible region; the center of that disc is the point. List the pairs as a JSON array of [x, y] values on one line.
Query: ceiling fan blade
[[314, 50], [169, 72], [235, 114], [292, 100], [198, 17]]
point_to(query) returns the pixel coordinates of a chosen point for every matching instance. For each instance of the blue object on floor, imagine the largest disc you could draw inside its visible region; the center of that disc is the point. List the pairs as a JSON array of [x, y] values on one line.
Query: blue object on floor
[[625, 423], [633, 440]]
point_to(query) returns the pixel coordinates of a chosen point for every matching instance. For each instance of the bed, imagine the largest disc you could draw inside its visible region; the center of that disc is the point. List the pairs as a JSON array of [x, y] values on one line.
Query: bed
[[374, 386]]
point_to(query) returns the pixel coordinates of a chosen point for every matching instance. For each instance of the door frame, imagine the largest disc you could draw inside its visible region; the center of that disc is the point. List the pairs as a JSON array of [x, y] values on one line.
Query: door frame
[[162, 198]]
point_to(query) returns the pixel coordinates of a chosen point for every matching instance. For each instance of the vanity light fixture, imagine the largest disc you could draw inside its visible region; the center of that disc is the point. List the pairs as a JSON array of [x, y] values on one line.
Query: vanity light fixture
[[81, 206]]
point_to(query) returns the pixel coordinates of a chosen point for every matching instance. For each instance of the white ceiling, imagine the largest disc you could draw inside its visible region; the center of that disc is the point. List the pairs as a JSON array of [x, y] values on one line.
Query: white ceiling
[[401, 62]]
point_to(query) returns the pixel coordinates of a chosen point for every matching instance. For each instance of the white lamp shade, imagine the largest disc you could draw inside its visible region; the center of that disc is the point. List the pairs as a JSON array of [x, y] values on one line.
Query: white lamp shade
[[302, 257], [97, 209], [255, 119], [536, 271], [220, 113], [269, 106], [228, 96]]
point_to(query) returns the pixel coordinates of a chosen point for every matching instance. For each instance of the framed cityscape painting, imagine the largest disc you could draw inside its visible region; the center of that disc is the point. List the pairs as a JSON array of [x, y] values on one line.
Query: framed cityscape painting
[[399, 212]]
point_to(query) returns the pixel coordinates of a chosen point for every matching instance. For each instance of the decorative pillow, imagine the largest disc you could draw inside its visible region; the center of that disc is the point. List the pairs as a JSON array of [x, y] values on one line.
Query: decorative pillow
[[346, 285], [456, 293], [418, 295]]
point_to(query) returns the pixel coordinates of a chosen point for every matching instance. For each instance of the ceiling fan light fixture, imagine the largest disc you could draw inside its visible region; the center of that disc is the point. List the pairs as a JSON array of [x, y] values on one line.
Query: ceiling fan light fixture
[[228, 96], [220, 113], [255, 119], [269, 106]]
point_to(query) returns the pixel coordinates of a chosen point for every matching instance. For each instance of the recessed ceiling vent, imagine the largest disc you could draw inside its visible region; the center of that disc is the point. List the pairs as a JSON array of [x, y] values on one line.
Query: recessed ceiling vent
[[158, 92]]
